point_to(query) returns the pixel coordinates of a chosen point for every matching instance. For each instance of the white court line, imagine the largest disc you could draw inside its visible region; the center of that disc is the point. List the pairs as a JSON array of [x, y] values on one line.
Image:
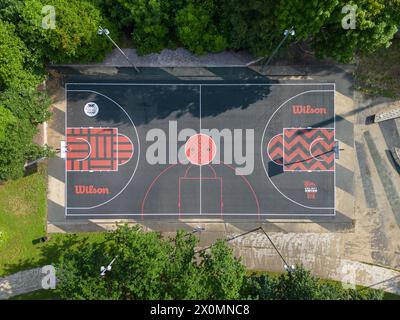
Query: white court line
[[201, 203], [309, 128], [202, 84], [279, 164], [90, 149], [208, 214], [206, 84], [262, 158], [137, 163], [90, 146], [120, 134]]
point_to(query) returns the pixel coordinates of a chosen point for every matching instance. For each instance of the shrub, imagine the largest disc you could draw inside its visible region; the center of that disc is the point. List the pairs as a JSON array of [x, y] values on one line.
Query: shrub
[[196, 30], [75, 35], [13, 54]]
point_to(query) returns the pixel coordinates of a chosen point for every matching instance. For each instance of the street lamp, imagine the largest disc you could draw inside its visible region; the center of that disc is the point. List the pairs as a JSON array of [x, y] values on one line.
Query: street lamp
[[104, 269], [286, 34], [102, 31], [198, 229], [289, 268]]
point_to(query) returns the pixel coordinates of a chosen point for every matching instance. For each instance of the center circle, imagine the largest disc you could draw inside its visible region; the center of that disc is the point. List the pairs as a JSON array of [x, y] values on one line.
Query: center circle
[[200, 149]]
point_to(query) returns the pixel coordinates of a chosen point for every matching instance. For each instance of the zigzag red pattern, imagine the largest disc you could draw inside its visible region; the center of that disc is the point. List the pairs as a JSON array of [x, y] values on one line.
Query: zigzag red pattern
[[275, 149], [308, 149]]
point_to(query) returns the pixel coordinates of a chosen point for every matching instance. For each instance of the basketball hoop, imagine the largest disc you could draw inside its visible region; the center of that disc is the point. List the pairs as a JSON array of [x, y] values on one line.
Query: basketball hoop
[[63, 149]]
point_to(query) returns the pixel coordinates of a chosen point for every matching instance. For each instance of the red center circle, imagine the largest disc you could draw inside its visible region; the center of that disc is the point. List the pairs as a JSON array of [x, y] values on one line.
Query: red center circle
[[200, 149]]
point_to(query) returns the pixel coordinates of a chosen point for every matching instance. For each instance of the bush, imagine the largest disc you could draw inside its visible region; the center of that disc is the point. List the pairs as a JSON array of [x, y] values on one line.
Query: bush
[[27, 103], [75, 35], [149, 267], [151, 23], [2, 238], [196, 30], [13, 55], [21, 110], [301, 285], [376, 24]]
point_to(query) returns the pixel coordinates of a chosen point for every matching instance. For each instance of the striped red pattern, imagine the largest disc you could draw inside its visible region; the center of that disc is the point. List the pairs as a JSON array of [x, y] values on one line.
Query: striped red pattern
[[96, 149]]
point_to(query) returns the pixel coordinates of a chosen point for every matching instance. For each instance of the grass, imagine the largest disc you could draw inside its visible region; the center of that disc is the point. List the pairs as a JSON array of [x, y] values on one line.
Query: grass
[[22, 218], [37, 295], [386, 295], [23, 222], [378, 74]]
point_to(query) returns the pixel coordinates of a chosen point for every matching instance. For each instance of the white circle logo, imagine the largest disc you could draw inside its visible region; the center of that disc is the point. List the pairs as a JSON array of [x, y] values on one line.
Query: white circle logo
[[91, 109]]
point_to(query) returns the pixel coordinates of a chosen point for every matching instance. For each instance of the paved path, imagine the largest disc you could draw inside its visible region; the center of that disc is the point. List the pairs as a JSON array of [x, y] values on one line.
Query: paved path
[[369, 232], [20, 283]]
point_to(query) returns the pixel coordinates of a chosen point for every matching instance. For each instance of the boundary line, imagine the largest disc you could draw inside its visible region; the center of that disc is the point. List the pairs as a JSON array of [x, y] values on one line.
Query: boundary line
[[134, 171], [263, 163], [200, 85]]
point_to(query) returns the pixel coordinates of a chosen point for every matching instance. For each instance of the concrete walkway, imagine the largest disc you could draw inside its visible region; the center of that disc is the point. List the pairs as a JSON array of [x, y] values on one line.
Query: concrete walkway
[[363, 237], [20, 283], [345, 270]]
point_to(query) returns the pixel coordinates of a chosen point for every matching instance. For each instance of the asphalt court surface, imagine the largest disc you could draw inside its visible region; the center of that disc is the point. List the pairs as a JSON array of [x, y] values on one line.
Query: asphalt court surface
[[226, 150]]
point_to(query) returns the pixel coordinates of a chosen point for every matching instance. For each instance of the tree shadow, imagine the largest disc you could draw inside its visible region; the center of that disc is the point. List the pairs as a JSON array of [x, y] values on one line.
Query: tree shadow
[[49, 252], [158, 102]]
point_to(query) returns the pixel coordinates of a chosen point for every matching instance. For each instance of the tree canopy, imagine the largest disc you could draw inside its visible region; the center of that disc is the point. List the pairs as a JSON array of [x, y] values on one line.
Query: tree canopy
[[21, 109], [258, 25], [148, 266]]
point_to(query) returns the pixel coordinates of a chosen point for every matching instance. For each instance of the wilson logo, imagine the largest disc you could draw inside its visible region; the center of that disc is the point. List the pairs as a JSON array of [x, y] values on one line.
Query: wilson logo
[[307, 109], [80, 189]]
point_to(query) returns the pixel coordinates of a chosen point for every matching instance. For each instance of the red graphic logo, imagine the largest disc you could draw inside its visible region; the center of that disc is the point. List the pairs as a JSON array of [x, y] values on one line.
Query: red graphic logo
[[307, 109], [91, 189], [310, 188]]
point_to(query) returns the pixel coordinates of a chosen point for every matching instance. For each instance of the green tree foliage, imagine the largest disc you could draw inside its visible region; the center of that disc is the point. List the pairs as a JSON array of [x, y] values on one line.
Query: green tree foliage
[[13, 55], [7, 120], [223, 274], [151, 23], [377, 22], [257, 25], [196, 29], [301, 285], [27, 103], [21, 109], [149, 267], [74, 37]]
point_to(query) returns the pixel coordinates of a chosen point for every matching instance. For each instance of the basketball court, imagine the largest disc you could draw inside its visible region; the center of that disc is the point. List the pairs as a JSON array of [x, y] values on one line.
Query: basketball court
[[200, 149]]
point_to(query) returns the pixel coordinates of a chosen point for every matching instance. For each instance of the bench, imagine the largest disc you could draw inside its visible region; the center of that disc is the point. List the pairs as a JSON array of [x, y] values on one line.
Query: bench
[[387, 115]]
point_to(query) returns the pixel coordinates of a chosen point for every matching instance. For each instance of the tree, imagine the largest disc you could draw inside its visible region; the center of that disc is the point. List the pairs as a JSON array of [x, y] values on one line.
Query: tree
[[196, 29], [301, 285], [6, 121], [223, 273], [21, 110], [27, 103], [376, 24], [297, 285], [74, 37], [148, 266], [13, 55], [250, 25]]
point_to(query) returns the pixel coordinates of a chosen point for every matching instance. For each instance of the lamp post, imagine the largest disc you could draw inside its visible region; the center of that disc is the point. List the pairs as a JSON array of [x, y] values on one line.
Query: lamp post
[[286, 34], [104, 269], [102, 31]]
